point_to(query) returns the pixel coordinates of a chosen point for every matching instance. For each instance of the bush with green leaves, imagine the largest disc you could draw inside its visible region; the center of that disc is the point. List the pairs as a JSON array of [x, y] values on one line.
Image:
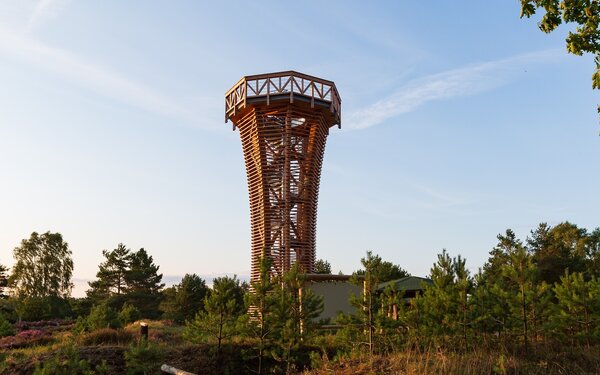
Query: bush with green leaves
[[42, 308], [102, 316], [143, 358], [107, 336], [183, 301], [577, 310], [67, 361], [6, 328], [129, 314], [220, 321]]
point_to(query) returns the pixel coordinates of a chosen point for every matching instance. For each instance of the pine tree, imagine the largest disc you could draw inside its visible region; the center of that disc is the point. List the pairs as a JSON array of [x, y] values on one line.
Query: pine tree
[[556, 249], [111, 276], [367, 306], [322, 267], [143, 284], [294, 312], [494, 289], [439, 300], [464, 288], [221, 316], [515, 299], [578, 307], [521, 273], [446, 303], [183, 301], [261, 301], [593, 253]]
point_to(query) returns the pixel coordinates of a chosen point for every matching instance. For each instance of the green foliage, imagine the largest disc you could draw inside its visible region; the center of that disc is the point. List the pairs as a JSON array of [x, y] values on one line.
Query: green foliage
[[520, 274], [6, 328], [511, 299], [80, 306], [593, 253], [262, 301], [584, 13], [41, 308], [294, 311], [577, 309], [366, 306], [129, 313], [128, 277], [102, 316], [322, 267], [556, 249], [220, 320], [445, 308], [144, 284], [105, 336], [111, 274], [67, 361], [183, 301], [3, 281], [382, 270], [43, 267], [143, 358]]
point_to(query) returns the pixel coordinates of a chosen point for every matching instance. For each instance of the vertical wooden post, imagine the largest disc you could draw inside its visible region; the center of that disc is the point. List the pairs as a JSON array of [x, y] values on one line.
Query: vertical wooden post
[[300, 312], [144, 331]]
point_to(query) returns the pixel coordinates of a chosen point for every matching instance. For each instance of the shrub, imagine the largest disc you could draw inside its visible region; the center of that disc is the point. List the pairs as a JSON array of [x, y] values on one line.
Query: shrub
[[129, 314], [143, 358], [80, 306], [102, 316], [107, 336], [40, 308], [68, 361], [81, 325], [6, 329], [7, 308]]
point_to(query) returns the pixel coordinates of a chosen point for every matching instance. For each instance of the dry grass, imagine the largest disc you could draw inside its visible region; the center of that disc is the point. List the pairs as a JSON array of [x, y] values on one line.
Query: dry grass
[[542, 361]]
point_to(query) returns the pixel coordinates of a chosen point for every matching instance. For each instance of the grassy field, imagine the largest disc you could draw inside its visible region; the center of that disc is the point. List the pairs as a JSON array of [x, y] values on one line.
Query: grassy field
[[56, 349]]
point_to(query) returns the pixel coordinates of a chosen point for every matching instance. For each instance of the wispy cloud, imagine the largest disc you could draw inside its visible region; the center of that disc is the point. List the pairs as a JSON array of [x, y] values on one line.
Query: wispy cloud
[[464, 81], [89, 75], [44, 10]]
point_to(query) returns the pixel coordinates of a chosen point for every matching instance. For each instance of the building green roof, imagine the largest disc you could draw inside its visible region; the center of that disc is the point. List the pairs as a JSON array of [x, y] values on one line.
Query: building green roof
[[406, 283]]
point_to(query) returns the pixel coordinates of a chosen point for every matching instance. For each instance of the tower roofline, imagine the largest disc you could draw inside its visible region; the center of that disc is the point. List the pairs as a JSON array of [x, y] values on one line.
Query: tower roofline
[[271, 86]]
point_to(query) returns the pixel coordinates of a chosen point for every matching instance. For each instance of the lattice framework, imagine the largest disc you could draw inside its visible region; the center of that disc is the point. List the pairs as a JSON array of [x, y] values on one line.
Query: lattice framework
[[283, 119]]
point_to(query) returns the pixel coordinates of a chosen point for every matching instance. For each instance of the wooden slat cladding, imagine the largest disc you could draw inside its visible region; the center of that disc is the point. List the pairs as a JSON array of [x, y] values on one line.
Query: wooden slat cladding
[[283, 140]]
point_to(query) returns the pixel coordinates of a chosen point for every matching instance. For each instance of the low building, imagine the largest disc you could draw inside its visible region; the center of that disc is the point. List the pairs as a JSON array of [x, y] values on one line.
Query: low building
[[405, 288]]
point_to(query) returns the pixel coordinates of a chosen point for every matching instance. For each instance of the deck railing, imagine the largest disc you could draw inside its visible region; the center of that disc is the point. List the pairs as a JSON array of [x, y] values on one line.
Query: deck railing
[[288, 84]]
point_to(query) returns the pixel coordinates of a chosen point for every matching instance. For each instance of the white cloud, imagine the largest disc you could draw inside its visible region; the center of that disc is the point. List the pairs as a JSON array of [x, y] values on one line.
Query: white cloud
[[468, 80], [43, 11], [89, 75]]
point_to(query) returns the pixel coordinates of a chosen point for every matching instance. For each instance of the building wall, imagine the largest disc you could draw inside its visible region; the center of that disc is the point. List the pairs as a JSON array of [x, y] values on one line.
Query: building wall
[[336, 296]]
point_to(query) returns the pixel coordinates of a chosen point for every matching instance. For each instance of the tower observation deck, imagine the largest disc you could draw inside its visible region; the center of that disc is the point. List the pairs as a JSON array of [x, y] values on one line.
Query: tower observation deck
[[283, 119]]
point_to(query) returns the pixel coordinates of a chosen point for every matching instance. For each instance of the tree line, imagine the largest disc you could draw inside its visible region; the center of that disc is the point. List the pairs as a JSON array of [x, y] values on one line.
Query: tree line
[[541, 290]]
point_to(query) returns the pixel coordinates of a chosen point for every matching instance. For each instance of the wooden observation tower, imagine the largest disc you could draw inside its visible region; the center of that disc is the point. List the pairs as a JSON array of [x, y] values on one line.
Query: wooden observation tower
[[283, 119]]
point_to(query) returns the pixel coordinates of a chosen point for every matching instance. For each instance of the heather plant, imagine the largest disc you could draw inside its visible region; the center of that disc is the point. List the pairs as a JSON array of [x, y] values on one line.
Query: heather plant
[[25, 338]]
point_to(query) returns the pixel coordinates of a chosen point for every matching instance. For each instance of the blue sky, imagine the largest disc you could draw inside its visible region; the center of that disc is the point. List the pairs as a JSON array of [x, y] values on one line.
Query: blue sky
[[459, 120]]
